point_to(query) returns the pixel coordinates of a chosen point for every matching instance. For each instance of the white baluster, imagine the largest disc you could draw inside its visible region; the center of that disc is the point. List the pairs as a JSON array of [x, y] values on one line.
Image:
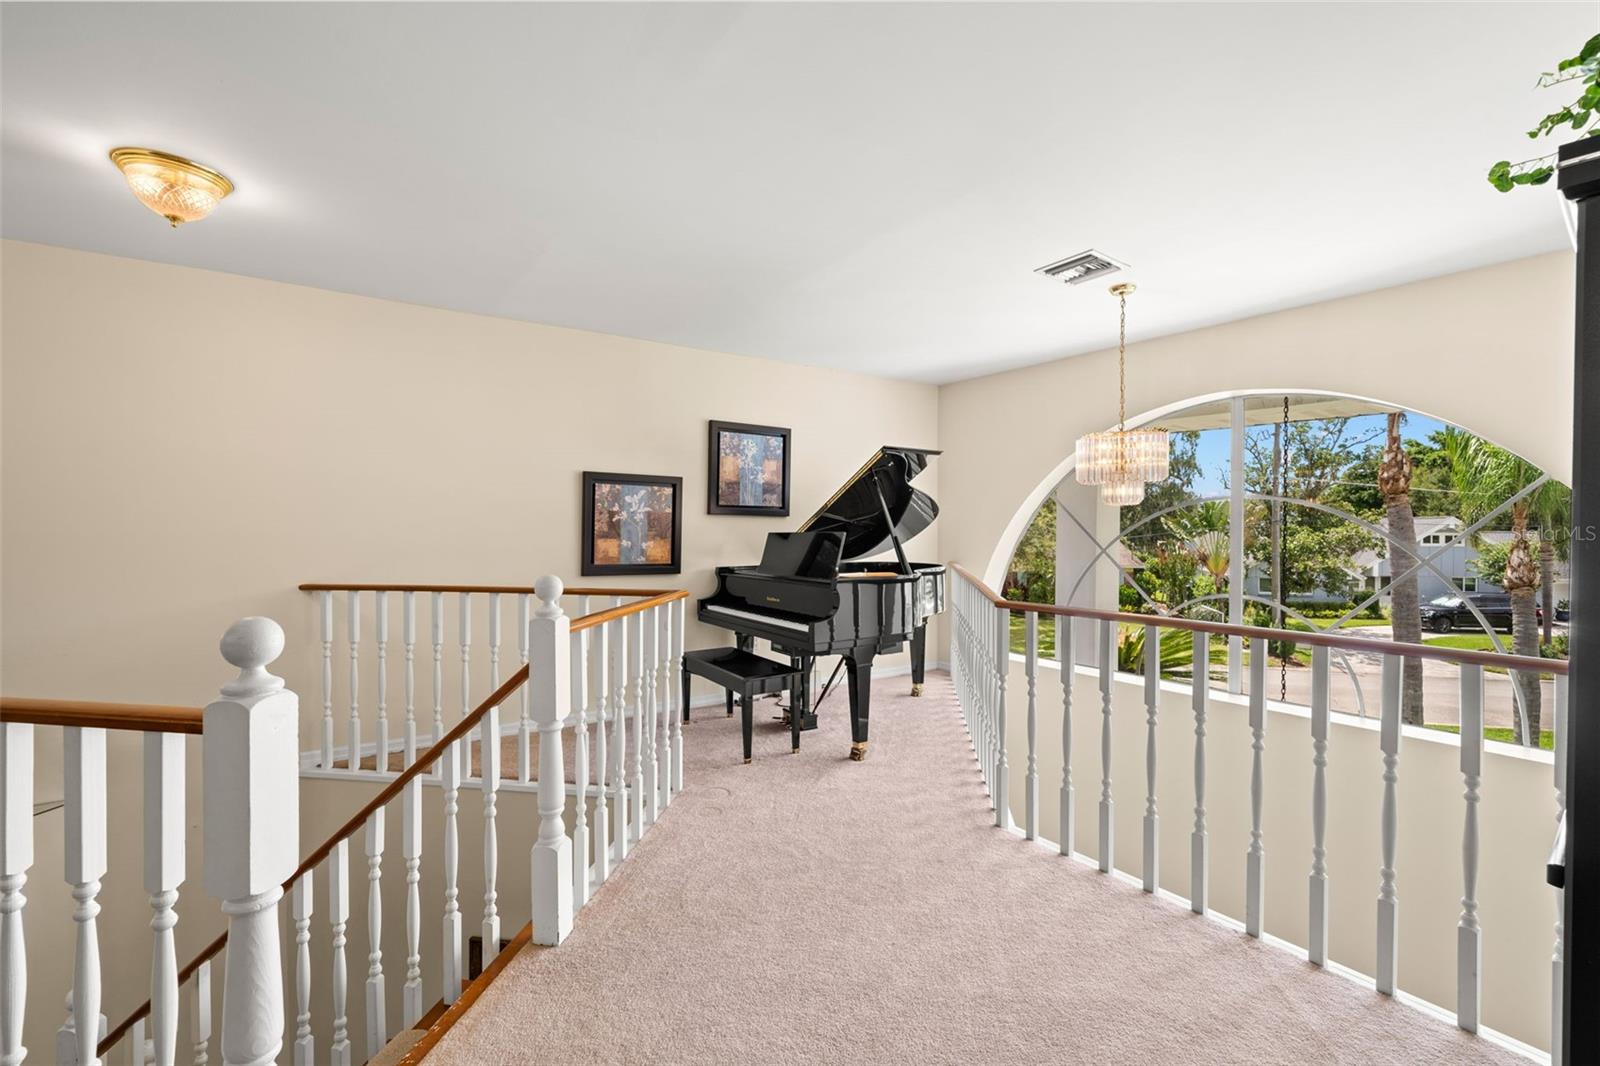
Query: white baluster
[[675, 684], [600, 655], [338, 917], [411, 851], [252, 838], [549, 670], [1108, 660], [1002, 664], [663, 704], [380, 762], [327, 678], [1030, 782], [353, 632], [618, 637], [1064, 658], [1558, 739], [408, 633], [436, 612], [489, 777], [138, 1047], [578, 646], [450, 765], [1317, 950], [16, 859], [1152, 703], [1255, 859], [1469, 948], [200, 1015], [636, 661], [67, 1036], [377, 1022], [164, 825], [85, 846], [300, 901], [464, 751], [525, 722], [1199, 837], [1388, 903], [649, 637]]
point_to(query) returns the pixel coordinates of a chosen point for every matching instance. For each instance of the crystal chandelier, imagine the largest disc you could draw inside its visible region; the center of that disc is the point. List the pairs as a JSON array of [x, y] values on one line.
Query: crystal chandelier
[[178, 189], [1122, 460]]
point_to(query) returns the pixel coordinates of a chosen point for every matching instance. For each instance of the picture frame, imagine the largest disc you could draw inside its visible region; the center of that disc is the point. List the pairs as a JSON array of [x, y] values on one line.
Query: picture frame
[[632, 524], [747, 469]]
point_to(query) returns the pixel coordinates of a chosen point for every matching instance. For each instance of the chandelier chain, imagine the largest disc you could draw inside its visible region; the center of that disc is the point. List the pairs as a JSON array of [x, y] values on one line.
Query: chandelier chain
[[1122, 363]]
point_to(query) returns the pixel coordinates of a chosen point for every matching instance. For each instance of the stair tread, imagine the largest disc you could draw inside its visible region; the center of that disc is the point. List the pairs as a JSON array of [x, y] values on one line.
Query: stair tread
[[396, 1048]]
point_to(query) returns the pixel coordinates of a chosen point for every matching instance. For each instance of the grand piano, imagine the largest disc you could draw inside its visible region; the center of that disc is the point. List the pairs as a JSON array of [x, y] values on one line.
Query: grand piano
[[812, 594]]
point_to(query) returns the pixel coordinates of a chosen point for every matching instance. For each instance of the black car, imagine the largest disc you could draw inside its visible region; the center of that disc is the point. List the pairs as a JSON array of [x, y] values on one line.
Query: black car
[[1451, 612]]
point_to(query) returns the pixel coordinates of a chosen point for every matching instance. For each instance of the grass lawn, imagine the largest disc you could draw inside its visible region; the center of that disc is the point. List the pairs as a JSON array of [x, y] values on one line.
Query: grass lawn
[[1472, 642], [1354, 623], [1546, 738]]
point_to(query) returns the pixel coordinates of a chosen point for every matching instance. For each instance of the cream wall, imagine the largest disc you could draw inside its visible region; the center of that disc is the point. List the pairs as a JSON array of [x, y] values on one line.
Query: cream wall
[[1489, 349]]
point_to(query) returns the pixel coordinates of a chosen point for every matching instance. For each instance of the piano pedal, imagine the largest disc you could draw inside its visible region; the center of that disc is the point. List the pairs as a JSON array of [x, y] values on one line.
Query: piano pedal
[[858, 752]]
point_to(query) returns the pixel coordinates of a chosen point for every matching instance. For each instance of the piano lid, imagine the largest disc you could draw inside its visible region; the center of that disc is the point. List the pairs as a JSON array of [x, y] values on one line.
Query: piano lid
[[856, 512]]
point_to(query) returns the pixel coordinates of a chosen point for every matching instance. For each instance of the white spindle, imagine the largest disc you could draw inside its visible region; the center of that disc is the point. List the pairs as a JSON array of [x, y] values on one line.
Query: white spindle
[[380, 762], [1469, 948], [450, 766], [353, 634], [1064, 657], [649, 637], [600, 654], [464, 751], [16, 858], [489, 778], [578, 646], [408, 624], [1388, 903], [636, 661], [305, 1051], [1200, 837], [1152, 702], [436, 624], [1002, 664], [377, 1022], [139, 1049], [200, 1015], [618, 637], [663, 708], [1317, 947], [1256, 858], [327, 678], [411, 852], [549, 670], [252, 838], [164, 826], [675, 684], [525, 721], [1108, 659], [338, 917], [85, 848], [1030, 783], [1558, 737]]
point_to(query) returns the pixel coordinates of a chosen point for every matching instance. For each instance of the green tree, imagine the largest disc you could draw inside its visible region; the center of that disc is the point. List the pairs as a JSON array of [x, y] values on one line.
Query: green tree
[[1032, 577], [1395, 471]]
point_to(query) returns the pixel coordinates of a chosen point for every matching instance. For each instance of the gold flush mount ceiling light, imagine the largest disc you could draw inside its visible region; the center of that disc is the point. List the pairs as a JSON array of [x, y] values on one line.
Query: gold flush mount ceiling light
[[178, 189]]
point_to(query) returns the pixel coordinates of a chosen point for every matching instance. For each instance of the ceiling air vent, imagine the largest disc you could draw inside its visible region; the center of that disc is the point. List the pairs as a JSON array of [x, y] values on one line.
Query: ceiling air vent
[[1085, 266]]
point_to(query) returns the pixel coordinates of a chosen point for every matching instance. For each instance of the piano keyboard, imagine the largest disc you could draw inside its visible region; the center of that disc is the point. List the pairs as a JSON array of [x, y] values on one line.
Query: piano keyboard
[[764, 619]]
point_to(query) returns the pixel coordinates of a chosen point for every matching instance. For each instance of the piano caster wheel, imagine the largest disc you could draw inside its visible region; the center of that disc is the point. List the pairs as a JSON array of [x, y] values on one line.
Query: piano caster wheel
[[858, 752], [747, 762], [916, 690], [794, 751]]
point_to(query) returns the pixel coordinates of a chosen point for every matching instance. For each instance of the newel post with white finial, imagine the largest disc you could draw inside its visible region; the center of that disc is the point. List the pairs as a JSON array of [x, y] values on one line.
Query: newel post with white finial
[[550, 686], [252, 833]]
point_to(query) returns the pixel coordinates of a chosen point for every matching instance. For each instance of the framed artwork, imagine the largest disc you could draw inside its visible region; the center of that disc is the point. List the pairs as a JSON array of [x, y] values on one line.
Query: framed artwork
[[632, 524], [749, 471]]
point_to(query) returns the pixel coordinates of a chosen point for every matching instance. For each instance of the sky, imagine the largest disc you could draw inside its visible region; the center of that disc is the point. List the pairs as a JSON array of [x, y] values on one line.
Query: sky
[[1212, 449]]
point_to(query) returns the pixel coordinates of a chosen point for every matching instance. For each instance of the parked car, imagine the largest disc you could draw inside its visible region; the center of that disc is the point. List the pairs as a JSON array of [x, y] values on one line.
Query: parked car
[[1445, 613]]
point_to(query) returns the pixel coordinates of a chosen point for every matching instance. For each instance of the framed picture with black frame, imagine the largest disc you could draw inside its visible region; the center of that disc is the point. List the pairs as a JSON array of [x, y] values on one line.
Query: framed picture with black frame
[[632, 524], [748, 469]]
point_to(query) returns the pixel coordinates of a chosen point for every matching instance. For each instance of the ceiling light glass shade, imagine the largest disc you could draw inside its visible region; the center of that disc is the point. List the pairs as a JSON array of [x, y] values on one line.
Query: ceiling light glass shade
[[178, 189], [1122, 493], [1121, 461]]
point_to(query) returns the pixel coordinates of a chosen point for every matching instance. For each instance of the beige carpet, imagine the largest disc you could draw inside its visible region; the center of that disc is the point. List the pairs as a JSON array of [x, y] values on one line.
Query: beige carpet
[[806, 909]]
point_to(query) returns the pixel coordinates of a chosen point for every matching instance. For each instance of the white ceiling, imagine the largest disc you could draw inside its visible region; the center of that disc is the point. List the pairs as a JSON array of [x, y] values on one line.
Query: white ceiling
[[861, 186]]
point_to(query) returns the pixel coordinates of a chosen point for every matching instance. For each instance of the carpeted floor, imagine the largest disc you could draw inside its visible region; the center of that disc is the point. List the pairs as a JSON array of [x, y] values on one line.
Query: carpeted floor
[[806, 909]]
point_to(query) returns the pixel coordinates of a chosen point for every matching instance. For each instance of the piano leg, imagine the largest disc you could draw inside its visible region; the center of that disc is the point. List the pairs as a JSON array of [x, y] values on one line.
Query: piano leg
[[687, 677], [747, 726], [859, 672], [919, 649]]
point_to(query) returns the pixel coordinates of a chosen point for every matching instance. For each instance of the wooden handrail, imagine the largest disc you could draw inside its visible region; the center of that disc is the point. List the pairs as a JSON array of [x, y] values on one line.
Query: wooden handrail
[[469, 995], [84, 714], [423, 761], [1458, 656], [316, 586]]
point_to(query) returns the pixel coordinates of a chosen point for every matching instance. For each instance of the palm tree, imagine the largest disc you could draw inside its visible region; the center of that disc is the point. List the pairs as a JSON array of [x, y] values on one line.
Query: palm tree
[[1486, 476], [1551, 505], [1203, 529], [1394, 481]]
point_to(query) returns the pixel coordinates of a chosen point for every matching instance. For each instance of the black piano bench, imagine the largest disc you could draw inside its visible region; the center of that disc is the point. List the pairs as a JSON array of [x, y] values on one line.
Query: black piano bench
[[744, 675]]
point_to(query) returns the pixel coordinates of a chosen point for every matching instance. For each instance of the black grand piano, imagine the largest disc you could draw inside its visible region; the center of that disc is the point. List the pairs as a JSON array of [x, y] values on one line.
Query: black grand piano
[[812, 595]]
